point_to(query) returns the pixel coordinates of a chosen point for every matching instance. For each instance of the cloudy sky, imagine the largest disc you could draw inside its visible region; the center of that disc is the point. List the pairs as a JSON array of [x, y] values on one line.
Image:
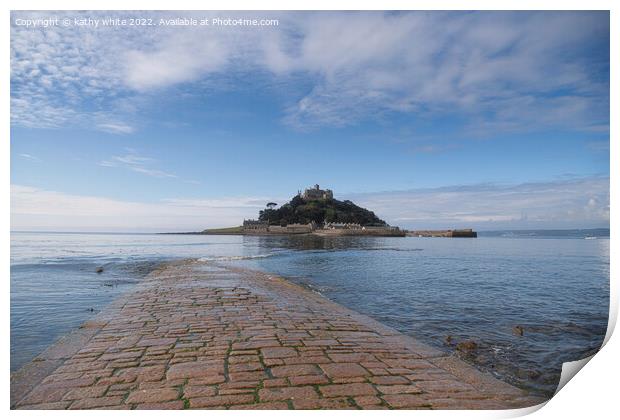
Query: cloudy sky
[[432, 119]]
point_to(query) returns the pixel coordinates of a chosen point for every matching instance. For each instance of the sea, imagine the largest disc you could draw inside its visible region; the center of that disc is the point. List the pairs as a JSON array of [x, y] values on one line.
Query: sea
[[552, 284]]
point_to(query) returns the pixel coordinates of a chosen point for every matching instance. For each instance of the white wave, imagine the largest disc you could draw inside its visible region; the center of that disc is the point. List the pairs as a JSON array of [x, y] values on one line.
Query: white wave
[[235, 258]]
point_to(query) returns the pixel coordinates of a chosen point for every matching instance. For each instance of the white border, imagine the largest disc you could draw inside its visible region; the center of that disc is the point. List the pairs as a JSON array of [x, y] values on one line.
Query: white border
[[592, 394]]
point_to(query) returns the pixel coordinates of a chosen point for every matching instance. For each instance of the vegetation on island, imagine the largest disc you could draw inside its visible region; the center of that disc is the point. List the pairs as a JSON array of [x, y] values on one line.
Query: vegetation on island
[[235, 230], [299, 210]]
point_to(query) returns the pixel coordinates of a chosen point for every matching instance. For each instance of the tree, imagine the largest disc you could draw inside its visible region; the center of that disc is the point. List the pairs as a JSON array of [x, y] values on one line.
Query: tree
[[299, 210], [330, 215]]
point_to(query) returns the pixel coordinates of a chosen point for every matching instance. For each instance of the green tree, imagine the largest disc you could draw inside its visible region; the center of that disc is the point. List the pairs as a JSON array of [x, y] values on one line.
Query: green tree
[[318, 211]]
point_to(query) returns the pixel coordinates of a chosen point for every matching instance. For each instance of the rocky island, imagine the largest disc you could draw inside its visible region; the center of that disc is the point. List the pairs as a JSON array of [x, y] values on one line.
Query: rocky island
[[315, 211]]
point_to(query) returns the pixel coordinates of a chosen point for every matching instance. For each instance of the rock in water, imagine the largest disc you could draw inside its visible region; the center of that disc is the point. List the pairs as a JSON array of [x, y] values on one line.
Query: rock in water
[[467, 346], [448, 340], [517, 330], [99, 270]]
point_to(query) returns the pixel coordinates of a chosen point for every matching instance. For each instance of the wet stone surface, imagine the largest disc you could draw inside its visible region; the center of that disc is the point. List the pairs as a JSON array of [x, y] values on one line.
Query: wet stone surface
[[192, 336]]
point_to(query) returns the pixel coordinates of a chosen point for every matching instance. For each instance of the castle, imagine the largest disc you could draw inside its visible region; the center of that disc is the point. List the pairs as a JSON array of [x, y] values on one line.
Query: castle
[[317, 194]]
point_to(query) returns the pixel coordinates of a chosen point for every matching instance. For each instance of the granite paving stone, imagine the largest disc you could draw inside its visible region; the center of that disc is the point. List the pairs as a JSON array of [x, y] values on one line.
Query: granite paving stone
[[196, 335]]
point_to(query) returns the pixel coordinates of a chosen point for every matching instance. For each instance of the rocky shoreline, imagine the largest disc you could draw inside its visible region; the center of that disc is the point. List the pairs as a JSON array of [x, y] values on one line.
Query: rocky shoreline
[[282, 231]]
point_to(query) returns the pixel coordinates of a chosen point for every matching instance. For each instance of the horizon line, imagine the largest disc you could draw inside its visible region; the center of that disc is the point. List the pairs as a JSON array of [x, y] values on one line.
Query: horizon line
[[197, 232]]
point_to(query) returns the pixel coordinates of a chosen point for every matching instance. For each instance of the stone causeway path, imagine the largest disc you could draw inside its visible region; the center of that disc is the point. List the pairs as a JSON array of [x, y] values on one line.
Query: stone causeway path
[[197, 336]]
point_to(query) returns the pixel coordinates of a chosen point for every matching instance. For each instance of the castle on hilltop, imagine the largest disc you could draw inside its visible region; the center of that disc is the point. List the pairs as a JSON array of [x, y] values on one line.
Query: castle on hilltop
[[316, 194], [317, 212]]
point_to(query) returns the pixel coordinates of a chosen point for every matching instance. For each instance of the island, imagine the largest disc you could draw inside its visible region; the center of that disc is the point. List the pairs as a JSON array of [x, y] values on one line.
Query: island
[[317, 212]]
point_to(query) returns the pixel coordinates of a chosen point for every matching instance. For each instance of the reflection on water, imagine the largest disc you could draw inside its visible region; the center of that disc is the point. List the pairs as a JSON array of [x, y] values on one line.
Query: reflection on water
[[469, 289]]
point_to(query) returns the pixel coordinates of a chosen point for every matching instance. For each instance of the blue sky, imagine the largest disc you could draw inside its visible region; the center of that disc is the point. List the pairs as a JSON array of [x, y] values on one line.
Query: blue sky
[[501, 117]]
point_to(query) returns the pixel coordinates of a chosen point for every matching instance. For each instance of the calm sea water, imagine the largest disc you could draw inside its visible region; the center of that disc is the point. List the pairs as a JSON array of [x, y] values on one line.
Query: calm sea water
[[555, 285]]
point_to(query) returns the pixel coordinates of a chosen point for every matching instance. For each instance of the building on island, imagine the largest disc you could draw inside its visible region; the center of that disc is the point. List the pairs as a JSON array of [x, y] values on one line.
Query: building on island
[[259, 226], [280, 226], [317, 194], [255, 225], [294, 228], [332, 226]]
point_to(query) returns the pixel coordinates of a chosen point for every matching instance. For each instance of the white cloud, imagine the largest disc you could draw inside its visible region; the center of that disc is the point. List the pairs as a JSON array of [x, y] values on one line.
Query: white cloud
[[137, 164], [252, 202], [572, 203], [178, 59], [116, 128], [132, 159], [498, 70], [29, 157], [153, 172], [65, 77], [34, 209], [511, 71]]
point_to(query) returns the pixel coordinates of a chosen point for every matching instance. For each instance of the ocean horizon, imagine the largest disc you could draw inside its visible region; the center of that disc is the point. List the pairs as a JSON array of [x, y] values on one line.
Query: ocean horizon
[[602, 232]]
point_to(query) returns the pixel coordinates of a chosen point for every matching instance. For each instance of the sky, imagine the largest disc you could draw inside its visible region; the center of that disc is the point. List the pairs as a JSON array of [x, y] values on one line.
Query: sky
[[488, 120]]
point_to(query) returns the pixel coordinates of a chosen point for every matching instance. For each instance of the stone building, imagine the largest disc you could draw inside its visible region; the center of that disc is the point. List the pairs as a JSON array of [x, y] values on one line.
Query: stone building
[[317, 194], [255, 225], [258, 226], [333, 226], [293, 228]]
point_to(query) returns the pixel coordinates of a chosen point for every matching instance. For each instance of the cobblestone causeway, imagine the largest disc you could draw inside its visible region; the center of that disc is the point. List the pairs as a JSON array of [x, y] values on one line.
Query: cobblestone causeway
[[196, 336]]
